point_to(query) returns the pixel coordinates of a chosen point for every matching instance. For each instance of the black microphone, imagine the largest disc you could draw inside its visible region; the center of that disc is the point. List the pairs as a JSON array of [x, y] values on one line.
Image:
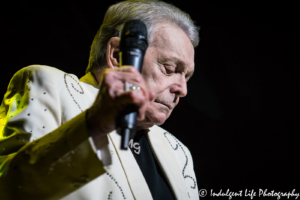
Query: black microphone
[[133, 45]]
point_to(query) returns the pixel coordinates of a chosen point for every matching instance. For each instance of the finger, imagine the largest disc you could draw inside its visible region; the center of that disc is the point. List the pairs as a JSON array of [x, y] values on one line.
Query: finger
[[141, 102], [138, 87], [116, 86], [116, 79], [137, 97], [115, 89], [133, 77], [125, 73], [113, 74], [130, 100], [126, 68]]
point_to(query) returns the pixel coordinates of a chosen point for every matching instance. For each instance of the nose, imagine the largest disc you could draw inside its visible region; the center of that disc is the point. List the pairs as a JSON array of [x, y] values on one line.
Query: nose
[[179, 88]]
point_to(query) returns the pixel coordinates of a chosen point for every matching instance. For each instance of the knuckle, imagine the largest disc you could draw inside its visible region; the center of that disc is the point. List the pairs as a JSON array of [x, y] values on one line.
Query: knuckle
[[123, 68], [138, 78], [107, 76], [110, 76], [136, 98]]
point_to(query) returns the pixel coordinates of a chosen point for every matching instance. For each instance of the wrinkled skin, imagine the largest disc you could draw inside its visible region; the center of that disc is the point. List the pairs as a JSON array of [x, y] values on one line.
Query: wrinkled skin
[[168, 65]]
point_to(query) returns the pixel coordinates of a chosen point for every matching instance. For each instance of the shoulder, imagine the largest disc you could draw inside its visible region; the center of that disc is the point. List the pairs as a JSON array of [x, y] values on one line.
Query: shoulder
[[41, 76], [32, 72], [40, 71]]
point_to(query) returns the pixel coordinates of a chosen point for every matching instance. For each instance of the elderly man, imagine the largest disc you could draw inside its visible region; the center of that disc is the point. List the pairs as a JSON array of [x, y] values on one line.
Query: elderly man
[[58, 133]]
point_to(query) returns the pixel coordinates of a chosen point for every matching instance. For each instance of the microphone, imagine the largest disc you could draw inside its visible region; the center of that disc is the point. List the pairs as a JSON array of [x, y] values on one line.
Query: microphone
[[133, 45]]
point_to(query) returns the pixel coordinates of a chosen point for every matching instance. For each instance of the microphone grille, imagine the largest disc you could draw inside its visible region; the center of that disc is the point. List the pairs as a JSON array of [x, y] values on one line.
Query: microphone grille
[[134, 35]]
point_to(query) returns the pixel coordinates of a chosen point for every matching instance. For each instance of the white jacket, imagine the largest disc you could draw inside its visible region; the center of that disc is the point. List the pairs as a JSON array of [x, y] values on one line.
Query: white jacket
[[46, 151]]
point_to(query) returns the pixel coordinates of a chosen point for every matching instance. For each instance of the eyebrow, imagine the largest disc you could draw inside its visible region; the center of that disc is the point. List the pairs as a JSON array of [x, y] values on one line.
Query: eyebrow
[[190, 74], [181, 63], [178, 62]]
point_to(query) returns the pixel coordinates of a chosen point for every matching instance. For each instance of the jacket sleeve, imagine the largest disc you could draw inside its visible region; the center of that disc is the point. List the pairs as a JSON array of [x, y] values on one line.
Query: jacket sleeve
[[41, 158]]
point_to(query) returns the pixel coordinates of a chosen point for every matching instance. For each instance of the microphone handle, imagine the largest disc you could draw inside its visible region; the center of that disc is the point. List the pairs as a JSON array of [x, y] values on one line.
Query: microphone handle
[[127, 123]]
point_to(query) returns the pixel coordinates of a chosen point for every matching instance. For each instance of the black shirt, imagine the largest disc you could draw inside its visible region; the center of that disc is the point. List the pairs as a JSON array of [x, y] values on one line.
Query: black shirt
[[153, 175]]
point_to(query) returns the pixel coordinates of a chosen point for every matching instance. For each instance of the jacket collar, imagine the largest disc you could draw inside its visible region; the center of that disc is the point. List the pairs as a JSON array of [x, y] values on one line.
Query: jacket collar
[[90, 79]]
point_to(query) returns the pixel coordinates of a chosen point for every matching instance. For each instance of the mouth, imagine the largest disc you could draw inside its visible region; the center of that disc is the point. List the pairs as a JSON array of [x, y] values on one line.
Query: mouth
[[163, 104]]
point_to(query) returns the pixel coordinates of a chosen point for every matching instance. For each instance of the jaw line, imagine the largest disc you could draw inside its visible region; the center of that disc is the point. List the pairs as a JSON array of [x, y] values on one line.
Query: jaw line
[[147, 126]]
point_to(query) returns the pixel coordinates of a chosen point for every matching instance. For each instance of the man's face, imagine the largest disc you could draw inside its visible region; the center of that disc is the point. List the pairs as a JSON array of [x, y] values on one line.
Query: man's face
[[168, 65]]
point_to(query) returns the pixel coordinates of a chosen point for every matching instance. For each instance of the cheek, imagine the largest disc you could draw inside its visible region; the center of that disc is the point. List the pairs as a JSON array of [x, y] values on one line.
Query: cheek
[[155, 86], [155, 82], [152, 75]]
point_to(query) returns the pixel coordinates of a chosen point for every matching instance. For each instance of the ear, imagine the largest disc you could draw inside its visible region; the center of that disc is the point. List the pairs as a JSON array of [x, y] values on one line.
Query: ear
[[112, 52]]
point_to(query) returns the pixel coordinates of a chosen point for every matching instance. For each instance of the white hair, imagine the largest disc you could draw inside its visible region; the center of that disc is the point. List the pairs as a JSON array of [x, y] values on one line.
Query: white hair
[[151, 12]]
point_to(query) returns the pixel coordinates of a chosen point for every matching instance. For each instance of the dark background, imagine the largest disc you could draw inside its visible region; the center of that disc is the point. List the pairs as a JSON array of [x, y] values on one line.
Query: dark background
[[240, 118]]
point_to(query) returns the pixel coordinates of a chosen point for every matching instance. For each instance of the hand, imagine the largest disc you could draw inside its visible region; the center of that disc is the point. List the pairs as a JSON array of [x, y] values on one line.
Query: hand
[[112, 99]]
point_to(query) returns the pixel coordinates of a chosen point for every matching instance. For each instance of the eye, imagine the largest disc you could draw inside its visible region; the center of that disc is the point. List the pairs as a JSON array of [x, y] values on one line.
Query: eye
[[169, 69]]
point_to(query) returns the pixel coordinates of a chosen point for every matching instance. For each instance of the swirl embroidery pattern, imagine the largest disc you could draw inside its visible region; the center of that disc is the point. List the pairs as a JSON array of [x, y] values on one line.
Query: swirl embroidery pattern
[[115, 181], [186, 162], [81, 92]]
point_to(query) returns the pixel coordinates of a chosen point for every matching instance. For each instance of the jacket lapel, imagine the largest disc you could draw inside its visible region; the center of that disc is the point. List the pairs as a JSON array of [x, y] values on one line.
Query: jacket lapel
[[165, 157], [135, 178]]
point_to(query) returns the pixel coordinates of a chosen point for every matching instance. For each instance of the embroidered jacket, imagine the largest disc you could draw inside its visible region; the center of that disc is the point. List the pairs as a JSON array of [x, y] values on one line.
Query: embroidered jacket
[[46, 151]]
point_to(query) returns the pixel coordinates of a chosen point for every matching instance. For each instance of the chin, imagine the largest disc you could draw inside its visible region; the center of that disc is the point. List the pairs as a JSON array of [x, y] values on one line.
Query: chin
[[158, 118], [154, 116], [151, 120]]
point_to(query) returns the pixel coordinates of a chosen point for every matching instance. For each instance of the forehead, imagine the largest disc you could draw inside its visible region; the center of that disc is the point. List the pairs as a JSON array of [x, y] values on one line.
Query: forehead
[[171, 41]]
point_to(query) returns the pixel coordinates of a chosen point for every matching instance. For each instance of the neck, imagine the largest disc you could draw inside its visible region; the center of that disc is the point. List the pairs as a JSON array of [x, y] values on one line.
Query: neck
[[97, 75]]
